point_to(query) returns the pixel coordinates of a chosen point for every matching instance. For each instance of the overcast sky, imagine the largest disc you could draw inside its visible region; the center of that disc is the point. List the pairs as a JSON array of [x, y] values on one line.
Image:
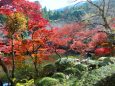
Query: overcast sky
[[54, 4]]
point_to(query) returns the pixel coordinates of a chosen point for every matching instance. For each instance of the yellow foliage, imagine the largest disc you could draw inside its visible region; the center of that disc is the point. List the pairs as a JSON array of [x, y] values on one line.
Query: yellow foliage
[[16, 22], [28, 83]]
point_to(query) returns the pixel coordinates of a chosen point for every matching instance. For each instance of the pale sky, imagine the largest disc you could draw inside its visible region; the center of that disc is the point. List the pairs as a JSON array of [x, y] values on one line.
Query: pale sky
[[54, 4]]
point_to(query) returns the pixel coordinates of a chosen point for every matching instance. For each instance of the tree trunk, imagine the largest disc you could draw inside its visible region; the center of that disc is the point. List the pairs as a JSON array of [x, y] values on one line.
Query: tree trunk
[[35, 66], [6, 72], [13, 61]]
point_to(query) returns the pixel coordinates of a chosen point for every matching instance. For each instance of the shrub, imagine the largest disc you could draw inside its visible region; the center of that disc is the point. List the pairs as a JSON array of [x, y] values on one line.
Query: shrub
[[107, 60], [25, 72], [70, 70], [71, 81], [93, 64], [78, 70], [3, 77], [60, 76], [98, 77], [108, 81], [47, 81], [49, 70], [102, 58], [64, 63], [81, 67], [27, 83], [112, 59]]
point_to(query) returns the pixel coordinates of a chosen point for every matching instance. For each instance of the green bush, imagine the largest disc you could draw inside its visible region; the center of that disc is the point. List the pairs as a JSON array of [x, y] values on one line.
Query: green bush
[[70, 70], [27, 83], [47, 81], [3, 77], [81, 67], [99, 77], [106, 60], [108, 81], [94, 64], [48, 70], [64, 63], [25, 72], [60, 76], [78, 70], [112, 59]]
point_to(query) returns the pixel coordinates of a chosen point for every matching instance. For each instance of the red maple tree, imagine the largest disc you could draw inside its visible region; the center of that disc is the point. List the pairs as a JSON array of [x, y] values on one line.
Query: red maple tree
[[23, 17]]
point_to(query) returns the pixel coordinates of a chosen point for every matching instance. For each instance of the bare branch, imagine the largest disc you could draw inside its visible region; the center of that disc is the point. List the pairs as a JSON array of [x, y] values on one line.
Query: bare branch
[[89, 1], [108, 7]]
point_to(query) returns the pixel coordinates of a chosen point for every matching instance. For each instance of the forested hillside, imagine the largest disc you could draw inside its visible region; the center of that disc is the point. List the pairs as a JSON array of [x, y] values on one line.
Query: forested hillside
[[82, 11]]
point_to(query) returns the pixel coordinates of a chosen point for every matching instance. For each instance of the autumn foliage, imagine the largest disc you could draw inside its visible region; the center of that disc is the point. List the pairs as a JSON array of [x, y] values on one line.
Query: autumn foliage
[[23, 16], [25, 38], [80, 39]]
